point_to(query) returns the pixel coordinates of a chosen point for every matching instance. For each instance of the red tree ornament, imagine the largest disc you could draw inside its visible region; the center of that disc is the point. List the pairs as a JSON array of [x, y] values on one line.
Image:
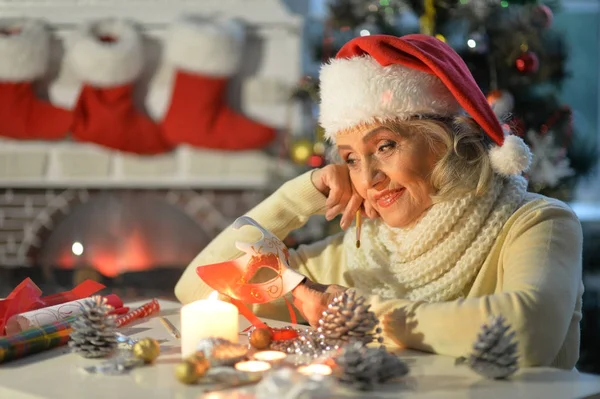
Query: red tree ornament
[[528, 62], [542, 16]]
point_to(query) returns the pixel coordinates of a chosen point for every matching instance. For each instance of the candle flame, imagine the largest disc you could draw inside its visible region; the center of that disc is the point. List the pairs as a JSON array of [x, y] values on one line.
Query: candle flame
[[213, 296]]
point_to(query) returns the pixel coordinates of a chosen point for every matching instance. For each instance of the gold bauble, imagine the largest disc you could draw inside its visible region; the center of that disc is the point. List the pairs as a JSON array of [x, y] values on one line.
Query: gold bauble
[[261, 338], [146, 349], [200, 362], [187, 372], [301, 150]]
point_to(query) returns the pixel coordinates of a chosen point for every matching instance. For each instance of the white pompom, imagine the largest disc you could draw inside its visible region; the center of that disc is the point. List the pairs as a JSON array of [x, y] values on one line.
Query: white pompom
[[512, 158]]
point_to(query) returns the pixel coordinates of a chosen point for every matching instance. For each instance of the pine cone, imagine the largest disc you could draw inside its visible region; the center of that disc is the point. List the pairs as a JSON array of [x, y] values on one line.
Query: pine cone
[[364, 368], [221, 352], [348, 320], [94, 330], [495, 351]]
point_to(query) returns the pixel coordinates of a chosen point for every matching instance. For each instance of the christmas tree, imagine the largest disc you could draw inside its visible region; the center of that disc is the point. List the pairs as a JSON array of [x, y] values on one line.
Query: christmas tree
[[515, 55]]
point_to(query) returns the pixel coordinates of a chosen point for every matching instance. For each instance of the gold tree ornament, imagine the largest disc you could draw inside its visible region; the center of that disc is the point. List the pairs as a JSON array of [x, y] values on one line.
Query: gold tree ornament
[[192, 369], [261, 338], [147, 349], [187, 372]]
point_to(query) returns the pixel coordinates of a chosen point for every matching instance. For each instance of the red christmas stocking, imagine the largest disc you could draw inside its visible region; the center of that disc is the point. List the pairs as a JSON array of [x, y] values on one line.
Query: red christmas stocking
[[206, 55], [108, 56], [24, 53]]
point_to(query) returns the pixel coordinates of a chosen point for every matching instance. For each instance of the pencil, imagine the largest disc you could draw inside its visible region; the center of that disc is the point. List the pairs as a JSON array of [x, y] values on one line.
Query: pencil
[[358, 226], [170, 327]]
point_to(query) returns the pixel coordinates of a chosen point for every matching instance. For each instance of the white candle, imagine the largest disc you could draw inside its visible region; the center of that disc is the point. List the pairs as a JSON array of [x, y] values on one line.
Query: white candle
[[312, 369], [252, 366], [207, 318]]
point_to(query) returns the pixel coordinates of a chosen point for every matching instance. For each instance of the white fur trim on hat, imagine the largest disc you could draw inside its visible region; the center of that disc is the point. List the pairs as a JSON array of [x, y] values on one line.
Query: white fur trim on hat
[[107, 64], [24, 49], [512, 158], [360, 91], [210, 47]]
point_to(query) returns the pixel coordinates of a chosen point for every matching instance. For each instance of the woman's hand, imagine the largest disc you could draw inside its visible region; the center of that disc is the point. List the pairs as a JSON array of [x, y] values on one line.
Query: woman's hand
[[312, 299], [334, 182]]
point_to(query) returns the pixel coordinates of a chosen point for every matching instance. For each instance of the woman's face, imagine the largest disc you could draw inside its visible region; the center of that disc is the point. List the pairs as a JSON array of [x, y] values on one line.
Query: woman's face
[[390, 171]]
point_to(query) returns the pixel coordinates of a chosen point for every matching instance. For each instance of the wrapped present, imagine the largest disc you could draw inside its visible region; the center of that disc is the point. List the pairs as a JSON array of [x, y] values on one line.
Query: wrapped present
[[27, 297], [51, 314]]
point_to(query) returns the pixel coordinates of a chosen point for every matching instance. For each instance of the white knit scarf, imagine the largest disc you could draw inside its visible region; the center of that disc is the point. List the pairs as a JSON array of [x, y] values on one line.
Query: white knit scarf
[[441, 254]]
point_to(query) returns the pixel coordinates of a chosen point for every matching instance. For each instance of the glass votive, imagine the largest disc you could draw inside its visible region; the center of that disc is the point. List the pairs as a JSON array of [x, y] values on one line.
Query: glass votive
[[315, 369], [271, 357], [253, 366]]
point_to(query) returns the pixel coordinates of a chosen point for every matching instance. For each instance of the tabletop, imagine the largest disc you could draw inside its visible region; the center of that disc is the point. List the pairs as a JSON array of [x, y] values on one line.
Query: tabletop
[[59, 374]]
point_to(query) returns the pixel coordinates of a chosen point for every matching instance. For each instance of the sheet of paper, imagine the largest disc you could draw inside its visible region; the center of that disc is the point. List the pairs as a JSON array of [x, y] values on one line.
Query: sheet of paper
[[232, 278]]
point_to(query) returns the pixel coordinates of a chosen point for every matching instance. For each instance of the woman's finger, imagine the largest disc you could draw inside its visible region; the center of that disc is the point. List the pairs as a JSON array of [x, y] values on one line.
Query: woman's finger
[[336, 193], [369, 210], [338, 180], [343, 197]]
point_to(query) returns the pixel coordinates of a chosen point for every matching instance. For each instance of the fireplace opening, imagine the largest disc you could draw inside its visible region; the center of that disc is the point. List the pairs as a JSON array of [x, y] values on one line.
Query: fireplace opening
[[120, 232]]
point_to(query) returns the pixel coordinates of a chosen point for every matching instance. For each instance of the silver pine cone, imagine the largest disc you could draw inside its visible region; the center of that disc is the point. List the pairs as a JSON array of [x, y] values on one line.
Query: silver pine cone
[[93, 332], [494, 353], [348, 319], [364, 368]]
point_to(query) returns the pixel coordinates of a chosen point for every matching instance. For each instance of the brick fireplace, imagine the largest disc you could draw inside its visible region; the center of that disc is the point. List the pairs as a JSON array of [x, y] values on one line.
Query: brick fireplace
[[31, 218]]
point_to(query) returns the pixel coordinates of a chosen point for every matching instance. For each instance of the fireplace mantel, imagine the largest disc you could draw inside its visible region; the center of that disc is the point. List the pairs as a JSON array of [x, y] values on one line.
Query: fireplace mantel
[[151, 12], [272, 68], [78, 165]]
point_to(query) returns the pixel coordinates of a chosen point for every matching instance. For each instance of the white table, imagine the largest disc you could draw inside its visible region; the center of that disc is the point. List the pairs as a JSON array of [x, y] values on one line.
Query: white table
[[57, 374]]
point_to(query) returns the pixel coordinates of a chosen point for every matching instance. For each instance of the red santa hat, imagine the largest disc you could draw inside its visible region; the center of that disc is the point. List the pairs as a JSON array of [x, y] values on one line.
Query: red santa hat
[[380, 78]]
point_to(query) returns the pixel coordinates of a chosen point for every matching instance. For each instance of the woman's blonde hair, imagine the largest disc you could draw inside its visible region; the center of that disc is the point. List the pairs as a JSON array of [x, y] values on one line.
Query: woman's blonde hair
[[462, 147]]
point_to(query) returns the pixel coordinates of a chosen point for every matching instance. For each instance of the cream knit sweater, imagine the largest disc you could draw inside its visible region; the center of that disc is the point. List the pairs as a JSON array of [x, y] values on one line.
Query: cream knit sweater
[[531, 275]]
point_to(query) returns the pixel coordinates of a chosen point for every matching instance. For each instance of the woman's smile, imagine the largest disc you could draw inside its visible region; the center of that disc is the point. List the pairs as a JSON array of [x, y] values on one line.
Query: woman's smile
[[387, 198]]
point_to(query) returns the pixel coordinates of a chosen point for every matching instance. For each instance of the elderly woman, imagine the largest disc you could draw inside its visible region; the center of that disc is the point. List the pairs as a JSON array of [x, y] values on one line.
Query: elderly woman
[[452, 238]]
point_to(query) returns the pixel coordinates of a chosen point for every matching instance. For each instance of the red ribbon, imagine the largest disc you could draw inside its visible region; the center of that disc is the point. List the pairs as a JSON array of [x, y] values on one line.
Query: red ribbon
[[83, 290], [279, 334]]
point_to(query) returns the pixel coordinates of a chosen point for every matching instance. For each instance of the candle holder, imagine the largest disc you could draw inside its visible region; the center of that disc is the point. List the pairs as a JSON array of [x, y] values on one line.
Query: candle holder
[[274, 358], [315, 369], [253, 366]]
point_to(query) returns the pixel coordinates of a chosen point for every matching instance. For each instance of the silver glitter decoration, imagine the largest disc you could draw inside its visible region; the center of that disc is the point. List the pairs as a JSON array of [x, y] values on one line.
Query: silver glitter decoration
[[308, 347], [119, 365], [289, 384], [122, 363]]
